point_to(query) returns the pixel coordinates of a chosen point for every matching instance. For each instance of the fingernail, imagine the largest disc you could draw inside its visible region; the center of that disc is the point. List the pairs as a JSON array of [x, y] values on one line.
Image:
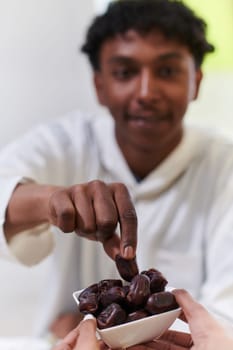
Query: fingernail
[[128, 252], [88, 317]]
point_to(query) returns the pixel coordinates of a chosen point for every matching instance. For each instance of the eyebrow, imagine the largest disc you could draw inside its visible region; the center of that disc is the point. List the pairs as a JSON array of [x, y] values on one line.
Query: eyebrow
[[170, 55], [120, 59], [129, 60]]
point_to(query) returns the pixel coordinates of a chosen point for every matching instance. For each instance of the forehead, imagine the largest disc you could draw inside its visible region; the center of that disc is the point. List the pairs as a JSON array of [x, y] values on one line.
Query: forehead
[[142, 47]]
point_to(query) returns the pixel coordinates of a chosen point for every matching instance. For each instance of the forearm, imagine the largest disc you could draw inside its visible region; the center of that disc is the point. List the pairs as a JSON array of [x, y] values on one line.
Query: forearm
[[28, 207], [85, 208]]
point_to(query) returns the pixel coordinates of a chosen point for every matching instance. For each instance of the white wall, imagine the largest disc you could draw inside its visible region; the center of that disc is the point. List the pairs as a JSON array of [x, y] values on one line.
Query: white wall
[[214, 107], [42, 75]]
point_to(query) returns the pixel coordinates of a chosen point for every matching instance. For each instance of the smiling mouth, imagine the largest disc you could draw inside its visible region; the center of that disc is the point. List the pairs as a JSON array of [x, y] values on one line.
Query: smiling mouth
[[147, 119]]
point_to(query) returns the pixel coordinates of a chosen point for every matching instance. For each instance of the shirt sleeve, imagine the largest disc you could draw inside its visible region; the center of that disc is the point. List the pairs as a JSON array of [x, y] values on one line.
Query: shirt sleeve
[[51, 153], [38, 156], [28, 247], [7, 187], [31, 246]]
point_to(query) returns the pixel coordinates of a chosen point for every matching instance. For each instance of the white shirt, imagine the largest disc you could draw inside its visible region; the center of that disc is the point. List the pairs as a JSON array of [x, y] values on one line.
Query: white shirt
[[184, 209]]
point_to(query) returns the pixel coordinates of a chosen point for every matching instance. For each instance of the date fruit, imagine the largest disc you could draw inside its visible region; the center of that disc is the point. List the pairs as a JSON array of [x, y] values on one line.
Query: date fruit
[[88, 302], [139, 291], [161, 302], [137, 315], [126, 268], [113, 303], [157, 281], [113, 295], [111, 316]]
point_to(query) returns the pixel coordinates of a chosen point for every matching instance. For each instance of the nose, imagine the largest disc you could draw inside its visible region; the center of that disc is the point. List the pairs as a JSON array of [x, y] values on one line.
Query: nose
[[147, 87]]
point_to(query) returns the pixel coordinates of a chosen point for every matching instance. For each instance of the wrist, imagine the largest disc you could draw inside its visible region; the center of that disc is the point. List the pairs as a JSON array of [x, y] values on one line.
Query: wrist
[[28, 207]]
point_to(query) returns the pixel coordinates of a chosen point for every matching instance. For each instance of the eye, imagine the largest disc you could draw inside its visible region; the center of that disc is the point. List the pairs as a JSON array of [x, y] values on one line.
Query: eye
[[167, 71], [123, 73]]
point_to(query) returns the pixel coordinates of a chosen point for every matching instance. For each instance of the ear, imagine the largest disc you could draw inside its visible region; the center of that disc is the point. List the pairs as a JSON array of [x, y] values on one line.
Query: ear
[[99, 87], [198, 79]]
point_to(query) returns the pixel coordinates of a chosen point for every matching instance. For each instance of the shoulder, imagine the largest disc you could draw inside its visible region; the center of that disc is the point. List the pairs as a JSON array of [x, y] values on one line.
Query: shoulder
[[211, 141], [215, 149], [77, 121], [73, 130]]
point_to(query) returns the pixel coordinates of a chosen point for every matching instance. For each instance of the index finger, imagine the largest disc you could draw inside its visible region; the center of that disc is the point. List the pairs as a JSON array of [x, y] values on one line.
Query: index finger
[[127, 219]]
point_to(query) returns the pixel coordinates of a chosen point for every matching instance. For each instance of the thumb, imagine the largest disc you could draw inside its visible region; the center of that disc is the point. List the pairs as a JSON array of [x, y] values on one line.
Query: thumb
[[199, 319], [87, 335]]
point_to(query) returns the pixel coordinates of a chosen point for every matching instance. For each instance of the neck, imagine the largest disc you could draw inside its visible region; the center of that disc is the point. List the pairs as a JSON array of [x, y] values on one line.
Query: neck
[[142, 161]]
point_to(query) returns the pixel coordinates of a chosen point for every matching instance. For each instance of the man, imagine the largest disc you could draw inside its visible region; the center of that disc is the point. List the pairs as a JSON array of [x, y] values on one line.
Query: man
[[146, 57]]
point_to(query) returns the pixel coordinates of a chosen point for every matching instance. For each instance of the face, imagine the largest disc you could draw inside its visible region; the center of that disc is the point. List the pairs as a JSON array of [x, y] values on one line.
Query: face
[[147, 83]]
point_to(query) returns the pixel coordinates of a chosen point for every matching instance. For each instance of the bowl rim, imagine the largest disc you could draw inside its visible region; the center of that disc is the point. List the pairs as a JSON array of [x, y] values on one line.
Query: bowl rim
[[141, 320]]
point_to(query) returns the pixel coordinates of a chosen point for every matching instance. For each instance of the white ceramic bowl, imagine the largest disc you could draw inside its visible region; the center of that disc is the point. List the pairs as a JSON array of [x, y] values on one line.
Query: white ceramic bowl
[[136, 332]]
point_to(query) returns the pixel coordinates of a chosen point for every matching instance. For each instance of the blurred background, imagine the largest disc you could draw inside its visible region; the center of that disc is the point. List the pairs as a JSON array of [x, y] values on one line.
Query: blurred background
[[43, 76]]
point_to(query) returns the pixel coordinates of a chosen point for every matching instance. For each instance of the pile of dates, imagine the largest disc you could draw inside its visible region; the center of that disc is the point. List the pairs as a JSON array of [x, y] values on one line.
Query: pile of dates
[[114, 303]]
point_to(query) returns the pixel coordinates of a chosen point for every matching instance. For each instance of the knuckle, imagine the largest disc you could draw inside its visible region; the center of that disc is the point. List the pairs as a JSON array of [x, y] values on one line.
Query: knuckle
[[96, 183], [76, 190], [84, 233], [129, 241], [106, 226], [66, 228], [66, 220], [66, 215], [130, 215], [88, 229], [119, 186]]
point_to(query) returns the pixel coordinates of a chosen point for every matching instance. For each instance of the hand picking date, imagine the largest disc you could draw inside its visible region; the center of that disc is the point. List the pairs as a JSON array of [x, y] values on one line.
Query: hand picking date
[[113, 303]]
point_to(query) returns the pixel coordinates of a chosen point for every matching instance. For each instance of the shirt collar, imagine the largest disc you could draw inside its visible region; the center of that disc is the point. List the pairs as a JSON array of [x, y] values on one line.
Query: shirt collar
[[190, 147]]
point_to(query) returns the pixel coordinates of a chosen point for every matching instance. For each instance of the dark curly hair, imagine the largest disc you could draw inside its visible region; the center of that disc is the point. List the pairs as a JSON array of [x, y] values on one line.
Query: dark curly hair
[[174, 19]]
